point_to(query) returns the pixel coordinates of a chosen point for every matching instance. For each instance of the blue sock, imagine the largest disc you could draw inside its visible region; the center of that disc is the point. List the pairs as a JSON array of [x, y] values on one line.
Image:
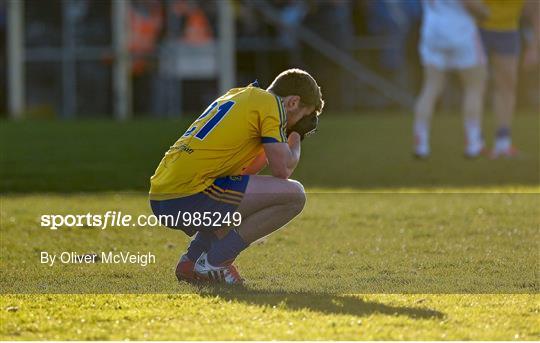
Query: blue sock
[[201, 243], [503, 132], [226, 249]]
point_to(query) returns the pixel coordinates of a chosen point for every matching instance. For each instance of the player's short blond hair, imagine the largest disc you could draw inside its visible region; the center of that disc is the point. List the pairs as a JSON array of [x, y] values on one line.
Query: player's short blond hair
[[298, 82]]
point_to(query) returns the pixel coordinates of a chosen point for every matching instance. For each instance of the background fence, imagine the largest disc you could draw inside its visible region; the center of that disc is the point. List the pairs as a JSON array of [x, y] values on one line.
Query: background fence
[[163, 58]]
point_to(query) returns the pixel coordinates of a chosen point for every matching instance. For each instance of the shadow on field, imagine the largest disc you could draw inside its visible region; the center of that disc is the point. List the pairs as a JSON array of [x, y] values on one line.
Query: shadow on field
[[319, 302]]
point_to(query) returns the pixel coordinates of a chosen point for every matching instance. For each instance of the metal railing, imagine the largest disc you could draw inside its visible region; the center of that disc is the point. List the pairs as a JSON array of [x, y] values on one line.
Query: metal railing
[[69, 53], [340, 57]]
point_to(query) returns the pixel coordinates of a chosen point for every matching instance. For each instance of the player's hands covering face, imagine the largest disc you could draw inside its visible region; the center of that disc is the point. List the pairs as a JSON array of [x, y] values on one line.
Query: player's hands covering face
[[305, 126]]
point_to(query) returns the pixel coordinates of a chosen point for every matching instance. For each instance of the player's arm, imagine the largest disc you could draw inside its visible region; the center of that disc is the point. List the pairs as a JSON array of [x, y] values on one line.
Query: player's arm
[[257, 165], [531, 11], [477, 8], [282, 151], [283, 157]]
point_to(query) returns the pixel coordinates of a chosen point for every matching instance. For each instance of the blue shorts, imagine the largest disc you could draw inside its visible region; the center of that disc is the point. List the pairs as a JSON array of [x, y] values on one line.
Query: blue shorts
[[501, 42], [223, 196]]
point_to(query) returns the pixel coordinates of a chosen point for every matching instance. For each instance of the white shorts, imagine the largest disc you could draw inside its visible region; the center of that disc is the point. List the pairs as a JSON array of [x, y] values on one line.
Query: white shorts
[[445, 54]]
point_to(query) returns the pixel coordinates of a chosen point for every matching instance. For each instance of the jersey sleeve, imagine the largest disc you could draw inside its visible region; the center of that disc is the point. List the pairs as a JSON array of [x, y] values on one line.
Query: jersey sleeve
[[273, 122]]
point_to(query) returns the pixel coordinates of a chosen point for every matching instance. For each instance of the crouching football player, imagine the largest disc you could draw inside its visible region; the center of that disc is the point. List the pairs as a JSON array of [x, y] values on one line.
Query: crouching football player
[[212, 168]]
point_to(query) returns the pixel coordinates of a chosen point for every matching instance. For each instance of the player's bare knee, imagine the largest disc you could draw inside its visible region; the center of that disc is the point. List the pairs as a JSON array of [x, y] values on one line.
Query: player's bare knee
[[296, 195], [505, 80]]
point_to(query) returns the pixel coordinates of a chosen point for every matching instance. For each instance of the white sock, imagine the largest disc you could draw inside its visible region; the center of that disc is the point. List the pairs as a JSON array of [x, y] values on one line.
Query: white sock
[[421, 136], [473, 134], [503, 143]]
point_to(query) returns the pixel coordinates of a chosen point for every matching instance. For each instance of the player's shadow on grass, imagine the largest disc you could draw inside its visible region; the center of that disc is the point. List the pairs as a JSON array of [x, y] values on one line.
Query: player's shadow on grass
[[321, 302]]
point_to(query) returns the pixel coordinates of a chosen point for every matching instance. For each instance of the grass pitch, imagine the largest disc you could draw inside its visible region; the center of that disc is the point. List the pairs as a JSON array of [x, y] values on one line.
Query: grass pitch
[[435, 234], [292, 317]]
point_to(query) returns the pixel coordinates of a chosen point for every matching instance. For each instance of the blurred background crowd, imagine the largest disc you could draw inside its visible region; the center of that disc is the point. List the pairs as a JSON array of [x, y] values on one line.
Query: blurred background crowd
[[363, 53]]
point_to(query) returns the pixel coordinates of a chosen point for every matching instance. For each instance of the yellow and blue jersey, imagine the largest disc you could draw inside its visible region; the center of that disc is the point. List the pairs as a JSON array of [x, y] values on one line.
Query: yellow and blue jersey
[[503, 15], [221, 142]]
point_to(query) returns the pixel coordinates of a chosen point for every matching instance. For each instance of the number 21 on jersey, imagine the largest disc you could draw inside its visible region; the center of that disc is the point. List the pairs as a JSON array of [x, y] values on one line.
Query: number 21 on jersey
[[212, 122]]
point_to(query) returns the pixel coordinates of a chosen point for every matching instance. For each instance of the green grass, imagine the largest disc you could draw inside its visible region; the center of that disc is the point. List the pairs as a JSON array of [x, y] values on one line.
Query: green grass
[[342, 243], [349, 151], [291, 317], [386, 248]]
